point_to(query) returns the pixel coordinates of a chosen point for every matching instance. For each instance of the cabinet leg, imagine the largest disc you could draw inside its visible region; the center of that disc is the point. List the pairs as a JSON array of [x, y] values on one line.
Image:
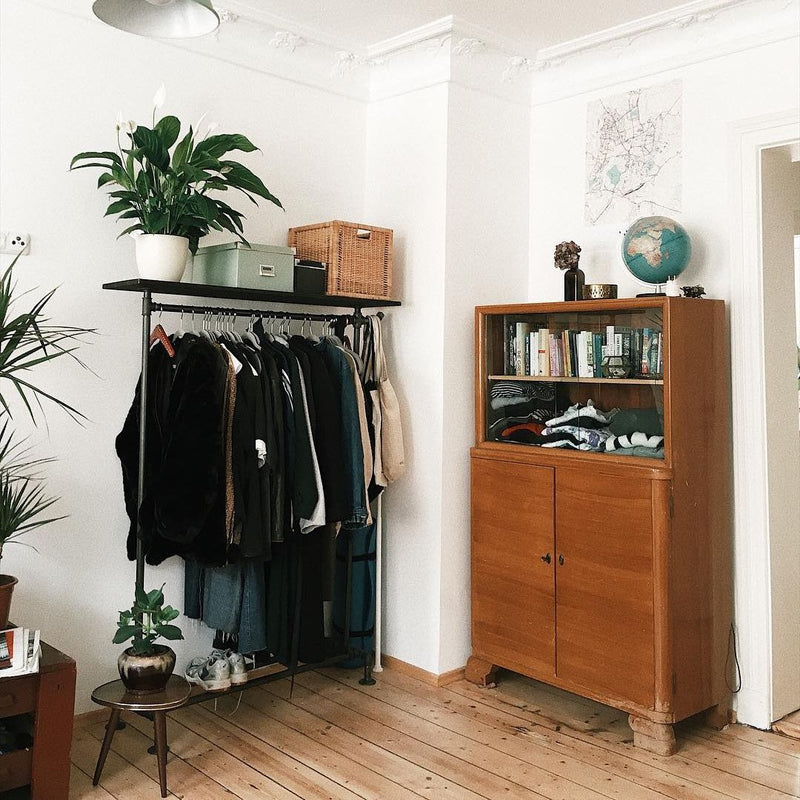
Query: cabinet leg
[[160, 729], [111, 728], [655, 737], [716, 717], [481, 672]]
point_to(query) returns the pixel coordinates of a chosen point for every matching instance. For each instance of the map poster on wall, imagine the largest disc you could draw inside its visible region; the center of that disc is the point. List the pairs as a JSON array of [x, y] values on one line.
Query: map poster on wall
[[633, 155]]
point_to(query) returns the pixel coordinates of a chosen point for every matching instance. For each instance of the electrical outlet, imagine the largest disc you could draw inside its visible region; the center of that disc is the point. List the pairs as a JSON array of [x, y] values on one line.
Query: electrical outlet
[[15, 243]]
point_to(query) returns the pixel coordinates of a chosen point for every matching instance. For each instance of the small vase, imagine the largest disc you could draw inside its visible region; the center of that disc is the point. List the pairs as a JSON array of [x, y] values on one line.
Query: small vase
[[573, 284], [146, 673], [7, 584], [160, 256]]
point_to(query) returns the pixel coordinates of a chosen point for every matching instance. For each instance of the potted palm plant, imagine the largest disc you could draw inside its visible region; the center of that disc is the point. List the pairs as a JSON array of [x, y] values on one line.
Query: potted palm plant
[[169, 188], [27, 340], [145, 666]]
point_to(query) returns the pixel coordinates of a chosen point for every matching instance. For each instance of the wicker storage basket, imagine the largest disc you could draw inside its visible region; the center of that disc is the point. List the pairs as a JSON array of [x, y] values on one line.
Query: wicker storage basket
[[359, 257]]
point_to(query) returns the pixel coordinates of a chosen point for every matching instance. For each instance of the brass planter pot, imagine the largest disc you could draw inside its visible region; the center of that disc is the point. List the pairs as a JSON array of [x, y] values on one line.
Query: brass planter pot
[[148, 673]]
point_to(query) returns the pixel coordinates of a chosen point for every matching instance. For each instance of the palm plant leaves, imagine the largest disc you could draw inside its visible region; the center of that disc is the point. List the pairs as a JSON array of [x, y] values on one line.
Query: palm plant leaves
[[28, 339]]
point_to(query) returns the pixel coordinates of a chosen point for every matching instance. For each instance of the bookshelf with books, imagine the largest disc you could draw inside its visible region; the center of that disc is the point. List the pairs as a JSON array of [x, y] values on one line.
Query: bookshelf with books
[[601, 503]]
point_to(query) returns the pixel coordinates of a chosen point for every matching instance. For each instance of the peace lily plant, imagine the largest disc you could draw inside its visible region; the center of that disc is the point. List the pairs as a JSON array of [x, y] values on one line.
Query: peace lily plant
[[165, 184]]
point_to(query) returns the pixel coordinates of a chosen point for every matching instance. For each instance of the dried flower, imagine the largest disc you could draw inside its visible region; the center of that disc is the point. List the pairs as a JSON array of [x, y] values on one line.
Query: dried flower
[[567, 255]]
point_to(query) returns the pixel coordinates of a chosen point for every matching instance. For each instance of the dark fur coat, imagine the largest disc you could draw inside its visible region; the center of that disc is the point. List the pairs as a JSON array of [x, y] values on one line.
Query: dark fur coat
[[183, 506]]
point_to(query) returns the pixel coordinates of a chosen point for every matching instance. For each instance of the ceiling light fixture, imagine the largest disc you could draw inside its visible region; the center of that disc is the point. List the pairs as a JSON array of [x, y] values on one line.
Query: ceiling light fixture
[[160, 19]]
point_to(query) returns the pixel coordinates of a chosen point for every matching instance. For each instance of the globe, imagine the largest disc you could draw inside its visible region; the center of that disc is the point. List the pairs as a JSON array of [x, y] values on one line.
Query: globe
[[655, 249]]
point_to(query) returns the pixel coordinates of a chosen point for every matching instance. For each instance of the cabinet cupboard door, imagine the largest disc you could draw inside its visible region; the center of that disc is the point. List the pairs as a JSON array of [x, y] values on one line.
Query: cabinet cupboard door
[[513, 565], [604, 588]]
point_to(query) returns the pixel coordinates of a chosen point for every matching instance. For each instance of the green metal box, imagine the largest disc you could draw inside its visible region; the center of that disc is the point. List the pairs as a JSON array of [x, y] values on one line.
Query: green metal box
[[260, 266]]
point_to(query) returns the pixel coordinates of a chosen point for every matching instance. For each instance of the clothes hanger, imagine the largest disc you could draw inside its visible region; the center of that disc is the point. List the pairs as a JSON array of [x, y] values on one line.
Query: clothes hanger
[[160, 335]]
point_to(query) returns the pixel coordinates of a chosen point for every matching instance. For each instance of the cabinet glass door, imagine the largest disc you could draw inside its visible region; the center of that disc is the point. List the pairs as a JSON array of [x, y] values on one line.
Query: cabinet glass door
[[513, 565], [589, 381], [604, 584]]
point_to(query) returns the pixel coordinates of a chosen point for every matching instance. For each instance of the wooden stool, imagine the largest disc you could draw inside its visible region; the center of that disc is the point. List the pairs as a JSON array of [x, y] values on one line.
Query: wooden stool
[[119, 699]]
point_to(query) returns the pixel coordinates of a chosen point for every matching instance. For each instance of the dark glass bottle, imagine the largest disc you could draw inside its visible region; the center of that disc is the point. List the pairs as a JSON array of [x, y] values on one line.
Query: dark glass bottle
[[573, 283]]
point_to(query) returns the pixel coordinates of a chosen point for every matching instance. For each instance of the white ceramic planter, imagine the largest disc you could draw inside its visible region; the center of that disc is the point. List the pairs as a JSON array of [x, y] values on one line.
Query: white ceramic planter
[[160, 256]]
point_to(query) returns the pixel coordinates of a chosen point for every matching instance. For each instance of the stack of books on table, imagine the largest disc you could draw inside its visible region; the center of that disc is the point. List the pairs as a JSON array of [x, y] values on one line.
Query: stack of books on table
[[19, 652]]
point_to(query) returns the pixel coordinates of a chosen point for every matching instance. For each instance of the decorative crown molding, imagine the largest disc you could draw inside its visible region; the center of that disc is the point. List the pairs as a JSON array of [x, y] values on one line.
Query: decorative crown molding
[[694, 32]]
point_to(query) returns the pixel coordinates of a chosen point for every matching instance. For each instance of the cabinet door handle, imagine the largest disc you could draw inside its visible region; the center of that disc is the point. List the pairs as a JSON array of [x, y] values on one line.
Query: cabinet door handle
[[561, 559], [546, 558]]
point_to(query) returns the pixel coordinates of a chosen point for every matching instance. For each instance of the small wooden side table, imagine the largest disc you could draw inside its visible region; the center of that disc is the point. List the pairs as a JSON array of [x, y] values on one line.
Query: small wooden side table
[[48, 696], [115, 696]]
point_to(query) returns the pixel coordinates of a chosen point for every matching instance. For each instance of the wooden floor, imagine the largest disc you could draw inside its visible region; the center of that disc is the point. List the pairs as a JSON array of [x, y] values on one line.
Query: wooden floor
[[405, 739]]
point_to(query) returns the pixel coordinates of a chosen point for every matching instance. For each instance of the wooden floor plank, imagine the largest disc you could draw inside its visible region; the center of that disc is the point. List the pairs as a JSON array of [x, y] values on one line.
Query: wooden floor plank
[[257, 751], [120, 778], [705, 752], [768, 739], [242, 779], [505, 739], [560, 741], [422, 782], [495, 761], [725, 741], [717, 780], [374, 784], [80, 787], [423, 754], [183, 779], [404, 739]]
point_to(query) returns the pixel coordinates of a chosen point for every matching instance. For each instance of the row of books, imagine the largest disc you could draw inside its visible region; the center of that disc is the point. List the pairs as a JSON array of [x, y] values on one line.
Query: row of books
[[19, 652], [580, 353]]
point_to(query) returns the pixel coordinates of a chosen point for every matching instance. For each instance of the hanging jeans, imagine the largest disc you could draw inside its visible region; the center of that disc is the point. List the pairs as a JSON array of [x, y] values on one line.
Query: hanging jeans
[[231, 599]]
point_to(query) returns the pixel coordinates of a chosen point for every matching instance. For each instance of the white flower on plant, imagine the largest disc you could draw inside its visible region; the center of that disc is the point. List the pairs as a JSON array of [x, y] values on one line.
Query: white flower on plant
[[125, 125], [160, 96], [212, 126], [200, 121]]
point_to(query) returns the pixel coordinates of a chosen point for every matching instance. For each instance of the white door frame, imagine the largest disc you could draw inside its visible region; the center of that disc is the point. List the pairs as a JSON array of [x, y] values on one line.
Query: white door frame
[[752, 578]]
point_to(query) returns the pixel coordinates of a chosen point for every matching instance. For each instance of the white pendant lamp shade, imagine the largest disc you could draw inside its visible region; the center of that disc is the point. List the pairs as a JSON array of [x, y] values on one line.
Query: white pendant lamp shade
[[160, 19]]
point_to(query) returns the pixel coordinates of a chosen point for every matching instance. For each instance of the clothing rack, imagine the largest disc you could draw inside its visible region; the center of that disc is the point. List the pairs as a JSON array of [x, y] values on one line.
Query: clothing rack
[[357, 319]]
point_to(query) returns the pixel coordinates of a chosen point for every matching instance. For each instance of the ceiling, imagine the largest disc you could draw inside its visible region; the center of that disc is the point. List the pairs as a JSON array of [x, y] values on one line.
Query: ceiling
[[533, 24]]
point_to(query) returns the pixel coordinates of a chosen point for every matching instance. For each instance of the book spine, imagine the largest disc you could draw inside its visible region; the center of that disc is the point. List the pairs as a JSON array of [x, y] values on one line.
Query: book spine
[[645, 365], [533, 353], [522, 362], [553, 355], [544, 351]]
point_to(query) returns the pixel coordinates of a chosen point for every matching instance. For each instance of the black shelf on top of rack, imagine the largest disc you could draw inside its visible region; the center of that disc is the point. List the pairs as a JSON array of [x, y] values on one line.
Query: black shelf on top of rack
[[236, 293]]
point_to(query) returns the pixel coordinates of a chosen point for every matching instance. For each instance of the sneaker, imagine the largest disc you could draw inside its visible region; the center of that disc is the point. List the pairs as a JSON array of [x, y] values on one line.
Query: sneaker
[[236, 665], [212, 673]]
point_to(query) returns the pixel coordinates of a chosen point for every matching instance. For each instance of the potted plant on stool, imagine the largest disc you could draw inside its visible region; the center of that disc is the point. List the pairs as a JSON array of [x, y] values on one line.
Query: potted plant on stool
[[145, 667]]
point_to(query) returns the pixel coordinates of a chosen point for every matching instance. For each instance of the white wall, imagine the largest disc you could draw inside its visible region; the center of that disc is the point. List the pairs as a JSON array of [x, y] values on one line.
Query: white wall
[[62, 81], [780, 202], [717, 93], [406, 189], [486, 262]]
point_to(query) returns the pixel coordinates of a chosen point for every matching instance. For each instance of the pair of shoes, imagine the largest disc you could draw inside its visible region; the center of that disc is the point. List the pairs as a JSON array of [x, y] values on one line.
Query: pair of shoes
[[212, 673], [236, 665], [218, 671]]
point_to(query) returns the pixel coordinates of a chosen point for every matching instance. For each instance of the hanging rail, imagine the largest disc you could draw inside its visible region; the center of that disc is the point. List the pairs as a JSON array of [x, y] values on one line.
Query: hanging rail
[[356, 318]]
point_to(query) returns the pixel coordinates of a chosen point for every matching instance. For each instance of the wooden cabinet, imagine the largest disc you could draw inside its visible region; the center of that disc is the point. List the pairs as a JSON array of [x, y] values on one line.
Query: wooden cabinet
[[602, 573], [42, 703]]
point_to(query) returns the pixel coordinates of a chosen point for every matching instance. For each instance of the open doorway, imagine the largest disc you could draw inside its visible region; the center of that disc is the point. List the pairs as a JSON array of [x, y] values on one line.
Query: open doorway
[[780, 231]]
